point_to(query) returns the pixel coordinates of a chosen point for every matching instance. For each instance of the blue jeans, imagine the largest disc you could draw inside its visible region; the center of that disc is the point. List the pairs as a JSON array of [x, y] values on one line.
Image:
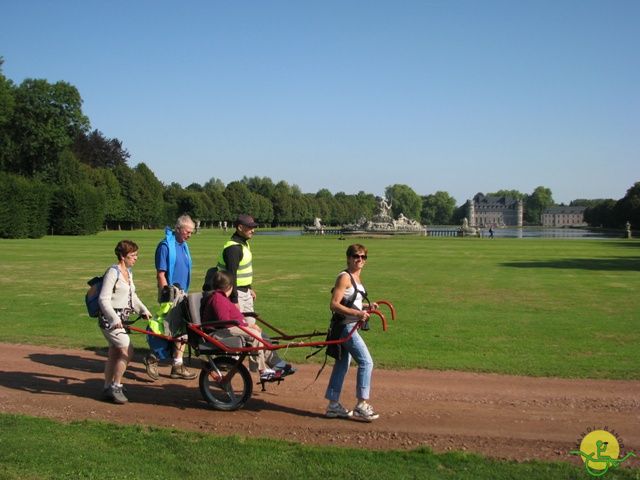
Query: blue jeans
[[356, 348]]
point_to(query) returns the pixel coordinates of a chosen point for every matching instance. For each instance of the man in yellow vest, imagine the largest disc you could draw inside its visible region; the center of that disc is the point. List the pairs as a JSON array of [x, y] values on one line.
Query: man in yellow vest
[[237, 260]]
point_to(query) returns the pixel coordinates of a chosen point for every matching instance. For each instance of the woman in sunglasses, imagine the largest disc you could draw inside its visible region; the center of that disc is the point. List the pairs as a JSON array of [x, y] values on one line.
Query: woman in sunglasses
[[346, 305]]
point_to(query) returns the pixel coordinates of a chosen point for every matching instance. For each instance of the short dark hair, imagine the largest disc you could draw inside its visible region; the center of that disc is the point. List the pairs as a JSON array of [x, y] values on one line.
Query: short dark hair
[[125, 247], [222, 280]]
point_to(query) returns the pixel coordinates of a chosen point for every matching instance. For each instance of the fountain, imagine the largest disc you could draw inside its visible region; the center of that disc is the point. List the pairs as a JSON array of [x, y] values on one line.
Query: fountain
[[382, 222]]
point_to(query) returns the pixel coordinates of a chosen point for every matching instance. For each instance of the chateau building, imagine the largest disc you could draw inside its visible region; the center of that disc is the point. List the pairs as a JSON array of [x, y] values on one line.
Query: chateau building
[[489, 211], [561, 216]]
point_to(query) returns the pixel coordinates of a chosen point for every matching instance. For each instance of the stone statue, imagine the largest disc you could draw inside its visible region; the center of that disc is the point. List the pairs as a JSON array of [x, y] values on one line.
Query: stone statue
[[317, 227], [384, 208], [467, 230]]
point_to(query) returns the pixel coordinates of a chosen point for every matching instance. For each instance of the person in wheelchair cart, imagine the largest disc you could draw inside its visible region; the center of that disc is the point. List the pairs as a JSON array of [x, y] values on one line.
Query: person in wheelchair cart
[[218, 308]]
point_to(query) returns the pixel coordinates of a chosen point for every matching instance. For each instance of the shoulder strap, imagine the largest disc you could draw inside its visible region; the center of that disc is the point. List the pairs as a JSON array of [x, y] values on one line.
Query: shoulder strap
[[351, 300], [115, 267]]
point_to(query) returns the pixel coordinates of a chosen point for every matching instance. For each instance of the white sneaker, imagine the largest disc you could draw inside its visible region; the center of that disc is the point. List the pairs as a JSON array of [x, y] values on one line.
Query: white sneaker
[[335, 410], [365, 412], [268, 374]]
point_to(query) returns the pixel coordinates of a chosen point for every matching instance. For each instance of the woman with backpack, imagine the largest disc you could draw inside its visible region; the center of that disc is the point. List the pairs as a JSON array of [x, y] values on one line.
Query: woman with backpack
[[117, 301], [346, 305]]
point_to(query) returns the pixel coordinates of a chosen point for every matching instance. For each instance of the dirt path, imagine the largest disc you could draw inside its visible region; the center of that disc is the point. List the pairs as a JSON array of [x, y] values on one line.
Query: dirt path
[[500, 416]]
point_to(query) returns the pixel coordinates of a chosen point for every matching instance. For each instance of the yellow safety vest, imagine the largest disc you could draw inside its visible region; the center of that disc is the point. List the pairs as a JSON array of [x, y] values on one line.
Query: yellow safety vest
[[244, 275]]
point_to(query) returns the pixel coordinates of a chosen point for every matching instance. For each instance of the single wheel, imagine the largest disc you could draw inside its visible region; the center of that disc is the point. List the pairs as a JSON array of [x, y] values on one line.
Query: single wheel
[[226, 385]]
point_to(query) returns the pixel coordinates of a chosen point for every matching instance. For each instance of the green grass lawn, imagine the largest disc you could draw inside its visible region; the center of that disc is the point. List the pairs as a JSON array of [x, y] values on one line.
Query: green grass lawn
[[565, 308], [90, 450], [540, 307]]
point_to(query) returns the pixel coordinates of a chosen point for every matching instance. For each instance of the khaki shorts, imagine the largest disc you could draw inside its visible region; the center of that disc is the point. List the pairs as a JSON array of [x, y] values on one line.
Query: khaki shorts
[[118, 337], [245, 304]]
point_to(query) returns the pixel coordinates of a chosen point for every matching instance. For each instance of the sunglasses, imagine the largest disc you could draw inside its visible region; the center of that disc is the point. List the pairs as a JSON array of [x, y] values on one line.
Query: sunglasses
[[356, 256]]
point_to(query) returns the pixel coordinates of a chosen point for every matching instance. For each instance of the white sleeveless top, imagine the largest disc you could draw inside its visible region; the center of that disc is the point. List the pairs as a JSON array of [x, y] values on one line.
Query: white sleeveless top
[[358, 301]]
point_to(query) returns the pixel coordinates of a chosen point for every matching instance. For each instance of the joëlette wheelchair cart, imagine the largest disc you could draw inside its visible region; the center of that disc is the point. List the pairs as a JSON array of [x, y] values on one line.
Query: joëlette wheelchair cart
[[225, 381]]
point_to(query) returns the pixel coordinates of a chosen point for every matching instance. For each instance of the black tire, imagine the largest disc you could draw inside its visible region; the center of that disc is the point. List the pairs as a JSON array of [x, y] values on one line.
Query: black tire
[[231, 395]]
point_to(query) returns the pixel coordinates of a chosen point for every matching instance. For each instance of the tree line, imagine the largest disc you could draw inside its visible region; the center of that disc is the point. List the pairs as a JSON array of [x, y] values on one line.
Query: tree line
[[61, 177]]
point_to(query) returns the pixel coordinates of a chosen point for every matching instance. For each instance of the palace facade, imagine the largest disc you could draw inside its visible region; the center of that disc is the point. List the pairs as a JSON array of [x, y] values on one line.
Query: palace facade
[[561, 216], [489, 211]]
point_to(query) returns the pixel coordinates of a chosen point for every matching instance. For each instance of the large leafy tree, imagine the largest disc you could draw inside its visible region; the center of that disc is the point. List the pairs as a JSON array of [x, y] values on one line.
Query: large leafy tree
[[214, 185], [342, 209], [46, 120], [107, 183], [96, 150], [404, 200], [366, 204], [536, 203], [149, 195], [282, 203], [130, 195], [601, 213], [627, 209], [220, 206], [322, 206], [7, 103], [301, 210], [438, 209], [239, 198], [261, 185], [193, 203], [263, 209]]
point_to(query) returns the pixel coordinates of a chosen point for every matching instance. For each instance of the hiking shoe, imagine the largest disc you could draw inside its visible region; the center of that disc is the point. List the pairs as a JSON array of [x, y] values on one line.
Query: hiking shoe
[[151, 365], [336, 410], [365, 412], [115, 395], [269, 374], [182, 372], [107, 394]]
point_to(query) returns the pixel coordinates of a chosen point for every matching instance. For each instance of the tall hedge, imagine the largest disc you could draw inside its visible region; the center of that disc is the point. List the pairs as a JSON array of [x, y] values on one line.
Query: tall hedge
[[24, 209], [77, 210]]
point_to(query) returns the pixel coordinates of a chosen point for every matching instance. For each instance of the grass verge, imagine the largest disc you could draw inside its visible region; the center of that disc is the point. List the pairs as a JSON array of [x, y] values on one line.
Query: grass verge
[[91, 450]]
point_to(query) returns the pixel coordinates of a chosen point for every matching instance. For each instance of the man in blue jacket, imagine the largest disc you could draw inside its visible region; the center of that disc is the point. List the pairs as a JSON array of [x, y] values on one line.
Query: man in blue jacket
[[173, 268]]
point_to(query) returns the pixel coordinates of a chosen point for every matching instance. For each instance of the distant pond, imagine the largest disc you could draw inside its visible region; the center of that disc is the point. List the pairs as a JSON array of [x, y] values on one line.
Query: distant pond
[[553, 233], [510, 232]]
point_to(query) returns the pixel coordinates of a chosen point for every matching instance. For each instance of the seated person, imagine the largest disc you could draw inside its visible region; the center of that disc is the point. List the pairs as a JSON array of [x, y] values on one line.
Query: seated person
[[218, 307]]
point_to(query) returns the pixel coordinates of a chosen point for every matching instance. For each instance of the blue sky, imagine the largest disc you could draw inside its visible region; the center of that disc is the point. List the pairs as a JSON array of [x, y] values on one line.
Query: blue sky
[[458, 96]]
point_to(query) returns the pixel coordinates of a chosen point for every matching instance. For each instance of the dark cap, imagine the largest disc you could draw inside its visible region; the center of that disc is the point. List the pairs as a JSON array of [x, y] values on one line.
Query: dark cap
[[246, 220]]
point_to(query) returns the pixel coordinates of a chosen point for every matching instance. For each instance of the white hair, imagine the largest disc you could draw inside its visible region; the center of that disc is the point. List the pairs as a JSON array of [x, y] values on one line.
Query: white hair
[[184, 221]]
